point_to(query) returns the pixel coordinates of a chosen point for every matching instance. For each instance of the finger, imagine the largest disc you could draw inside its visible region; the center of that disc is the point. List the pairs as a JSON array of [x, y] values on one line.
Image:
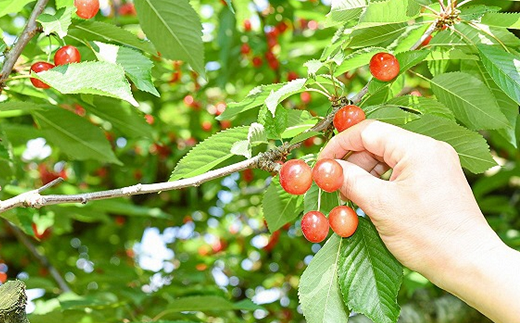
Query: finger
[[389, 142], [365, 160], [361, 187]]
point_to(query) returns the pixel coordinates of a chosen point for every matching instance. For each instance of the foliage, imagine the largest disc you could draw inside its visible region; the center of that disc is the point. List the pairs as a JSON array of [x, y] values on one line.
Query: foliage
[[169, 90]]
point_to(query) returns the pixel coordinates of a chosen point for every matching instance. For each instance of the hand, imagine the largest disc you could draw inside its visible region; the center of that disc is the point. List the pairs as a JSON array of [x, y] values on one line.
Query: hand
[[425, 213]]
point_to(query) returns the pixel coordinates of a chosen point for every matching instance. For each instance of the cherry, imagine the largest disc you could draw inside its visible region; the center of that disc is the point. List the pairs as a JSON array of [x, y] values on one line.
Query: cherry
[[305, 97], [127, 9], [66, 55], [247, 25], [245, 49], [206, 126], [384, 66], [415, 93], [328, 174], [295, 177], [343, 220], [86, 9], [39, 67], [348, 116], [426, 41], [315, 226], [257, 61], [291, 76]]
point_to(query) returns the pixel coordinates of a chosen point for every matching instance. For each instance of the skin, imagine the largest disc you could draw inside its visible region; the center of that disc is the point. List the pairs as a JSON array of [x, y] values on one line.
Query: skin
[[427, 215]]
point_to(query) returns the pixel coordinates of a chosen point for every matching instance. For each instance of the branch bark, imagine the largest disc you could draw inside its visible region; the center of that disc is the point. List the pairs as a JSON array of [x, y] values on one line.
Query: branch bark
[[27, 34], [12, 302]]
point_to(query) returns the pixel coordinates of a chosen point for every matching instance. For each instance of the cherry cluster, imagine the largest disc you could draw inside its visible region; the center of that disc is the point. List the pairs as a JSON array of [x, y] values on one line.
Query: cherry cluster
[[65, 55]]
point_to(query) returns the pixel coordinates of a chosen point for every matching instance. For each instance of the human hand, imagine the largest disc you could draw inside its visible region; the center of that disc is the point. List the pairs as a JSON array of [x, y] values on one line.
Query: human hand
[[426, 213]]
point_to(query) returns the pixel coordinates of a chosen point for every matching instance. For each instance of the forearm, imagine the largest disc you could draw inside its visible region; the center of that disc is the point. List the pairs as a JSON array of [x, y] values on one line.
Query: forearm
[[488, 280]]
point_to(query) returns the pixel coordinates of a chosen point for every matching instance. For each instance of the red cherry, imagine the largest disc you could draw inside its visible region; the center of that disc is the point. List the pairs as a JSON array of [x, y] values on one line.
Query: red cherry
[[384, 66], [86, 9], [305, 97], [415, 93], [245, 49], [328, 174], [426, 41], [225, 124], [348, 116], [247, 25], [39, 67], [315, 226], [127, 9], [295, 177], [66, 55], [257, 61], [247, 175], [291, 76], [281, 27], [343, 220], [206, 125]]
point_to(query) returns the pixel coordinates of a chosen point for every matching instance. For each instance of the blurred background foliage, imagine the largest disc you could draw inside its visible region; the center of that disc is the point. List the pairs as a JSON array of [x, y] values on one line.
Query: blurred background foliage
[[132, 259]]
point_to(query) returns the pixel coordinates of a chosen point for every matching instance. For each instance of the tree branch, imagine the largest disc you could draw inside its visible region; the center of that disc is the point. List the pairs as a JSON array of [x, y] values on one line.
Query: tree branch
[[28, 33]]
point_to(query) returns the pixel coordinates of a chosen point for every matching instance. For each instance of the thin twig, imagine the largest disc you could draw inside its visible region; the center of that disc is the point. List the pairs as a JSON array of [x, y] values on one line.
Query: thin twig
[[40, 257], [27, 34]]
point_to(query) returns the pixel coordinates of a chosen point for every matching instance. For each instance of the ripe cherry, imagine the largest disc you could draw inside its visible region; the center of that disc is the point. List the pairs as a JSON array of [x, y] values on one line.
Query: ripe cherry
[[245, 49], [66, 55], [328, 174], [247, 25], [257, 61], [295, 177], [426, 41], [343, 220], [40, 67], [384, 66], [348, 116], [315, 226], [291, 76], [86, 9]]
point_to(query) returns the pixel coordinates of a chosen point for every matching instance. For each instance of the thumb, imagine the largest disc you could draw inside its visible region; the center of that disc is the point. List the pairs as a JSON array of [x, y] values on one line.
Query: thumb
[[359, 186]]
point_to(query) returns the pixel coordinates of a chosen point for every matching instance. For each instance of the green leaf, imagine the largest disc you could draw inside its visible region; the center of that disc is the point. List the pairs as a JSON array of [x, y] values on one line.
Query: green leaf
[[137, 66], [126, 207], [319, 293], [206, 303], [10, 6], [392, 115], [254, 99], [76, 136], [311, 198], [313, 66], [298, 121], [19, 105], [470, 100], [129, 121], [369, 276], [476, 12], [100, 78], [389, 12], [471, 146], [280, 207], [303, 136], [96, 30], [64, 3], [422, 105], [377, 35], [209, 153], [409, 59], [174, 28], [58, 23], [342, 11], [288, 89], [274, 126], [504, 68], [509, 20]]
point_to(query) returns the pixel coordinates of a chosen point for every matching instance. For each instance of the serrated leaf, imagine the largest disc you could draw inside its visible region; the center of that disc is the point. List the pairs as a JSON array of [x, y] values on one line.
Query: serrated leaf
[[311, 198], [509, 20], [256, 134], [209, 153], [276, 97], [254, 99], [76, 136], [389, 12], [10, 6], [357, 59], [230, 6], [319, 293], [58, 23], [96, 30], [475, 34], [342, 11], [100, 78], [129, 121], [392, 115], [241, 148], [409, 59], [280, 207], [174, 28], [274, 126], [504, 68], [422, 105], [472, 148], [369, 276], [64, 3], [377, 35], [475, 12], [137, 66], [19, 105], [313, 66], [298, 121], [469, 99]]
